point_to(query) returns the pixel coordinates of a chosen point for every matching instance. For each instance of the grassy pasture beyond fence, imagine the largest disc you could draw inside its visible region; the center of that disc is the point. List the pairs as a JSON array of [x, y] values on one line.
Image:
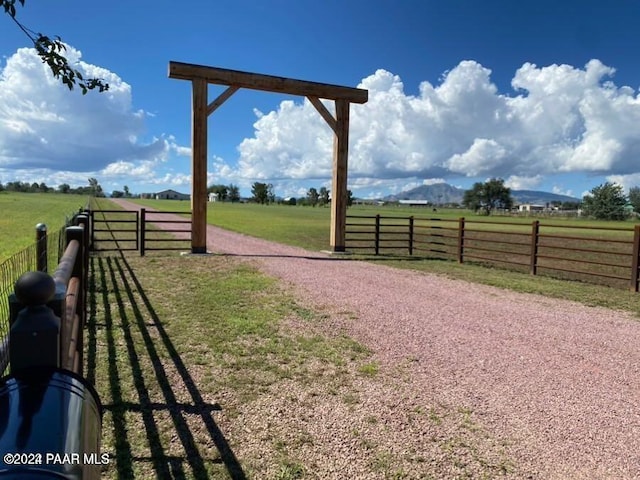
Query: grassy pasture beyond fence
[[21, 212], [565, 246]]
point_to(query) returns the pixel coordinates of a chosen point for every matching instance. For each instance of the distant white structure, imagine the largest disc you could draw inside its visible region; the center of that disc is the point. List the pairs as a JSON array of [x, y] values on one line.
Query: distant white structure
[[415, 203], [528, 207], [214, 197]]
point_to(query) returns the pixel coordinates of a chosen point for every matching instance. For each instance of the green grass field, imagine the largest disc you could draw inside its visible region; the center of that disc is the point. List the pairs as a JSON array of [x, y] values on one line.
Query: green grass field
[[22, 211], [309, 228], [305, 227]]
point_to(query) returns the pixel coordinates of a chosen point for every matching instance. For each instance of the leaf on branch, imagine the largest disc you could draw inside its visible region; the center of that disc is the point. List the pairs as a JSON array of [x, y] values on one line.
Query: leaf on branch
[[50, 52]]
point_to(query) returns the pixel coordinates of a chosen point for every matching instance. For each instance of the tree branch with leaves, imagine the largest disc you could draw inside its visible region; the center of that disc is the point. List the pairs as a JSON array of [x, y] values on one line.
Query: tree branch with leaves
[[51, 51]]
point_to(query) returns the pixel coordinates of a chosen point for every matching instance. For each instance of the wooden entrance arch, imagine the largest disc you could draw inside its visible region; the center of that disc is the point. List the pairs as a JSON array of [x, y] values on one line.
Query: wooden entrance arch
[[201, 76]]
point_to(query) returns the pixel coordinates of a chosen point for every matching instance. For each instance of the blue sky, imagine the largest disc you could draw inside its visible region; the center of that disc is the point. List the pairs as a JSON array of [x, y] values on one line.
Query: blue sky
[[543, 94]]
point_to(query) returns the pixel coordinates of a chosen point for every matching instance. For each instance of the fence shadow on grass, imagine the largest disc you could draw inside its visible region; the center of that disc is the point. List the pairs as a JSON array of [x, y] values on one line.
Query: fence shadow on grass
[[124, 323]]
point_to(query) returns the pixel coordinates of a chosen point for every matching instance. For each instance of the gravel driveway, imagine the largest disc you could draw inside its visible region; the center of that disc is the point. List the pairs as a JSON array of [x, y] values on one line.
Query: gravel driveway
[[552, 383]]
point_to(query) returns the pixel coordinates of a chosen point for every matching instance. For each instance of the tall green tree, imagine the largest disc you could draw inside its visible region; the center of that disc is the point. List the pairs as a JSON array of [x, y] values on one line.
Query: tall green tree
[[312, 197], [488, 196], [634, 198], [95, 188], [51, 51], [234, 193], [606, 202], [271, 193], [324, 196], [260, 192]]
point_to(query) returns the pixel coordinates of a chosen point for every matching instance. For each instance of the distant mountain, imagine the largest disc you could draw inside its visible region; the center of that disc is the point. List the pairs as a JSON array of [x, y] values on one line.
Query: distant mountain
[[540, 198], [444, 193], [436, 193]]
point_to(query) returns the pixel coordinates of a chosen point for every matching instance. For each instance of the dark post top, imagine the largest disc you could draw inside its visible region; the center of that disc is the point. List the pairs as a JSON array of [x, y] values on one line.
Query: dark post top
[[34, 288]]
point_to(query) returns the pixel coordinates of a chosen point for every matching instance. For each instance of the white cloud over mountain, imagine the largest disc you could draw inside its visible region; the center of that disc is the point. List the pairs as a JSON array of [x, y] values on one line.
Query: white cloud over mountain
[[558, 119]]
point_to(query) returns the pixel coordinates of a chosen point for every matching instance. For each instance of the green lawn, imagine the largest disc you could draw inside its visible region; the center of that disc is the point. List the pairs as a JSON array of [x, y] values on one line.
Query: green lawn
[[309, 227], [22, 211], [305, 227], [256, 219]]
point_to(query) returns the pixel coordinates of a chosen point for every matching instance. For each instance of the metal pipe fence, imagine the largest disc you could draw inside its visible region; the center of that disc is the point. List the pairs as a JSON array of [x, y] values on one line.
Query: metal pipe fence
[[598, 254]]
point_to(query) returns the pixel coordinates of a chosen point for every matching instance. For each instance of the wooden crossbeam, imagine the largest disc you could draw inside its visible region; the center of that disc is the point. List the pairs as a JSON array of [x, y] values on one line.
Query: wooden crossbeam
[[269, 83]]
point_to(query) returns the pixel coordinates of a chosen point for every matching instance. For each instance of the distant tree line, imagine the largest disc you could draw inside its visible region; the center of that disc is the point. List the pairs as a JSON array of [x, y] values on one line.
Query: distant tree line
[[604, 202], [264, 194], [93, 189]]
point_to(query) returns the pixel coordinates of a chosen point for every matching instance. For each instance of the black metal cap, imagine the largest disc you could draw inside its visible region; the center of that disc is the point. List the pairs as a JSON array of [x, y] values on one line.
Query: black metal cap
[[34, 288]]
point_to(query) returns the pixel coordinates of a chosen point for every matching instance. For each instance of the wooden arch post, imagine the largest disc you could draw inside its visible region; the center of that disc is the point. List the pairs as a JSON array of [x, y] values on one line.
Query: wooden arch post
[[201, 76]]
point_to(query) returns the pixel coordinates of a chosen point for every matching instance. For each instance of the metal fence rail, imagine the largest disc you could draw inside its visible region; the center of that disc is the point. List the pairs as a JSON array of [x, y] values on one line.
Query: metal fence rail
[[608, 255], [115, 230], [139, 230], [152, 238]]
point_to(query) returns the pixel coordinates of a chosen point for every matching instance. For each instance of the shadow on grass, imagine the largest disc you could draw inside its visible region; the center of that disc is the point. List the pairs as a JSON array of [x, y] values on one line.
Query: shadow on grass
[[133, 330]]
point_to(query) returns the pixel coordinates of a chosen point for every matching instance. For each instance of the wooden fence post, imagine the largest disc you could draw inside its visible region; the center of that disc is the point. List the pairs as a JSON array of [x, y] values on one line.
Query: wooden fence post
[[377, 237], [461, 240], [635, 259], [411, 235], [92, 217], [143, 227], [535, 231], [41, 247]]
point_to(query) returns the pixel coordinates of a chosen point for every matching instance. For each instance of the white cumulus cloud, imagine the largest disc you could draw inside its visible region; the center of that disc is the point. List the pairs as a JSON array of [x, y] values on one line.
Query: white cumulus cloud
[[45, 127], [558, 119], [516, 182]]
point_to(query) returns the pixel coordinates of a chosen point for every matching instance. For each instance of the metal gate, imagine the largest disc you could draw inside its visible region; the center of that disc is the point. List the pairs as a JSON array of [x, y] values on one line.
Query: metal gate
[[160, 230], [139, 230], [115, 230]]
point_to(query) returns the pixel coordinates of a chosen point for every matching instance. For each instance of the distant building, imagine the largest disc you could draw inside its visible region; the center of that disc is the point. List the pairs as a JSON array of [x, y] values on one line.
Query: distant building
[[171, 195], [368, 201], [214, 197], [528, 207], [415, 203]]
